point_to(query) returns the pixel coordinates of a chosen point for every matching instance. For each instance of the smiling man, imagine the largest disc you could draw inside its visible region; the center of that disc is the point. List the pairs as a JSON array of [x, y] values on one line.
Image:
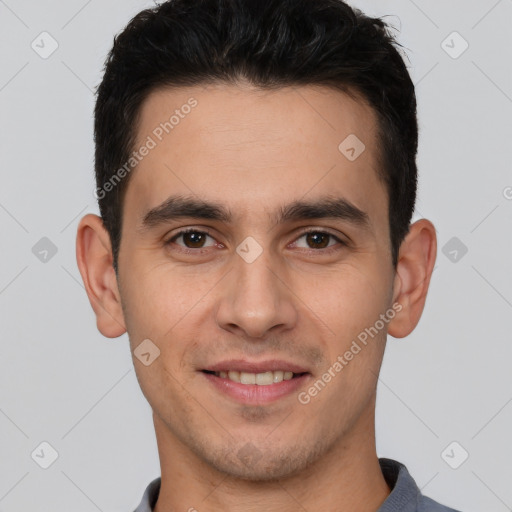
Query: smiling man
[[256, 176]]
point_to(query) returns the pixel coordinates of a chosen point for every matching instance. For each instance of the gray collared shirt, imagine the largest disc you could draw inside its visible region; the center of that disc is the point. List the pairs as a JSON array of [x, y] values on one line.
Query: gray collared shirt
[[405, 495]]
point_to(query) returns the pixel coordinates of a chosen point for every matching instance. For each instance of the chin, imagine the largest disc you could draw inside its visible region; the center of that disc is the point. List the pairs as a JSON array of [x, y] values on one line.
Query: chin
[[252, 464], [264, 471]]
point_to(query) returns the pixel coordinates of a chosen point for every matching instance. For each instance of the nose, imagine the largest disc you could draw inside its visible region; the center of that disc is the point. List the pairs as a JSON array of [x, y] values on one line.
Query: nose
[[255, 299]]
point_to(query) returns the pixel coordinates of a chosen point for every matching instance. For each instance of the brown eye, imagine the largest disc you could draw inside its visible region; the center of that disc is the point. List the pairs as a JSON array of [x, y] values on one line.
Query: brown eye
[[192, 238], [319, 240]]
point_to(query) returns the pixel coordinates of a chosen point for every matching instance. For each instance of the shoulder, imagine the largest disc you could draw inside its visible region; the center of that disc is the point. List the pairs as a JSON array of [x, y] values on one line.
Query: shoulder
[[405, 495], [429, 505], [150, 496]]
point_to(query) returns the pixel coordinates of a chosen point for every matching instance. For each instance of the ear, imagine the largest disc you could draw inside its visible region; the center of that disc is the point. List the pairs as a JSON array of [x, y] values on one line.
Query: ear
[[416, 260], [95, 262]]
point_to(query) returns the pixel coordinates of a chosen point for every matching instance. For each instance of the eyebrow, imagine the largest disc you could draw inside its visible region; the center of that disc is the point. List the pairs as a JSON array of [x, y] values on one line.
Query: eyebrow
[[328, 207]]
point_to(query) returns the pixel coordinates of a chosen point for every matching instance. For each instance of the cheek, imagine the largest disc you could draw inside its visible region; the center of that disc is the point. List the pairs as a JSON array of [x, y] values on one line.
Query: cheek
[[158, 309], [158, 298], [165, 306], [349, 298]]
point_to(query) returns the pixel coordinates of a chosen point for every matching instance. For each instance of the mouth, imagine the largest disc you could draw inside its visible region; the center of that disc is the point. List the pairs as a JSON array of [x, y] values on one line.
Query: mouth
[[259, 379], [256, 383]]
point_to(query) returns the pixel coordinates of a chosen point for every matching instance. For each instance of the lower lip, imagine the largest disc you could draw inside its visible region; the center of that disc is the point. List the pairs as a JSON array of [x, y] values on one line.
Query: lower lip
[[253, 393]]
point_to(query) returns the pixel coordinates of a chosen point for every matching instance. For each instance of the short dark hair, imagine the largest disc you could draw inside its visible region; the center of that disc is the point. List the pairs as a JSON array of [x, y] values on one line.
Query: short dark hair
[[272, 44]]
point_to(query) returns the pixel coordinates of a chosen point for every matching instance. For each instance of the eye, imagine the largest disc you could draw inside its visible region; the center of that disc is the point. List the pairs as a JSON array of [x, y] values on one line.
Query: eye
[[319, 240], [192, 238]]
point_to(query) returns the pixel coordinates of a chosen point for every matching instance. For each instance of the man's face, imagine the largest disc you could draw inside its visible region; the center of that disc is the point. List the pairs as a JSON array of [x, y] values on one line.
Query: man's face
[[254, 292]]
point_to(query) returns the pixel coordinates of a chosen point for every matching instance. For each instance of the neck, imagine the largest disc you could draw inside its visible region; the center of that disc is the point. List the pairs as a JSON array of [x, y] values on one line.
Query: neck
[[347, 478]]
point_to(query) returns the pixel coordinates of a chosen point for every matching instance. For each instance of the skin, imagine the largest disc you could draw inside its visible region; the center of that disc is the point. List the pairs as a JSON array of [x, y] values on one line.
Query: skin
[[253, 152]]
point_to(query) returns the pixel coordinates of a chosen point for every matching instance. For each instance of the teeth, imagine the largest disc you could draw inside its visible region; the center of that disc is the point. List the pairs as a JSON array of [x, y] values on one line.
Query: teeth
[[261, 379], [234, 376], [264, 379], [278, 376], [247, 378]]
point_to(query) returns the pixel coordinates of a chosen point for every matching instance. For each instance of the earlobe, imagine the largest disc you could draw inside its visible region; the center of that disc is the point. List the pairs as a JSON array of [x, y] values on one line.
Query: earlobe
[[414, 269], [94, 259]]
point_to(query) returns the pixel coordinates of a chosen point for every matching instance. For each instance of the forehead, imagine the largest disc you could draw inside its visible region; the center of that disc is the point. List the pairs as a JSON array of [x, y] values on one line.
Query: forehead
[[254, 148]]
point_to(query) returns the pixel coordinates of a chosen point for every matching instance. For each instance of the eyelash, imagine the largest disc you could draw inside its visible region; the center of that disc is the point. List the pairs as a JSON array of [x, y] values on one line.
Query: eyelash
[[187, 250]]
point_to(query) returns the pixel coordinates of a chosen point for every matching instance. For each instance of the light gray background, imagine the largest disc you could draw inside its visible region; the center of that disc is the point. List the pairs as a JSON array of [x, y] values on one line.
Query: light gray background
[[63, 383]]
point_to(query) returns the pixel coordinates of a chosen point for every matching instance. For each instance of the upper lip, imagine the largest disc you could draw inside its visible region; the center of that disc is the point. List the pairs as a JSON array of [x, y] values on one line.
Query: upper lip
[[242, 365]]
